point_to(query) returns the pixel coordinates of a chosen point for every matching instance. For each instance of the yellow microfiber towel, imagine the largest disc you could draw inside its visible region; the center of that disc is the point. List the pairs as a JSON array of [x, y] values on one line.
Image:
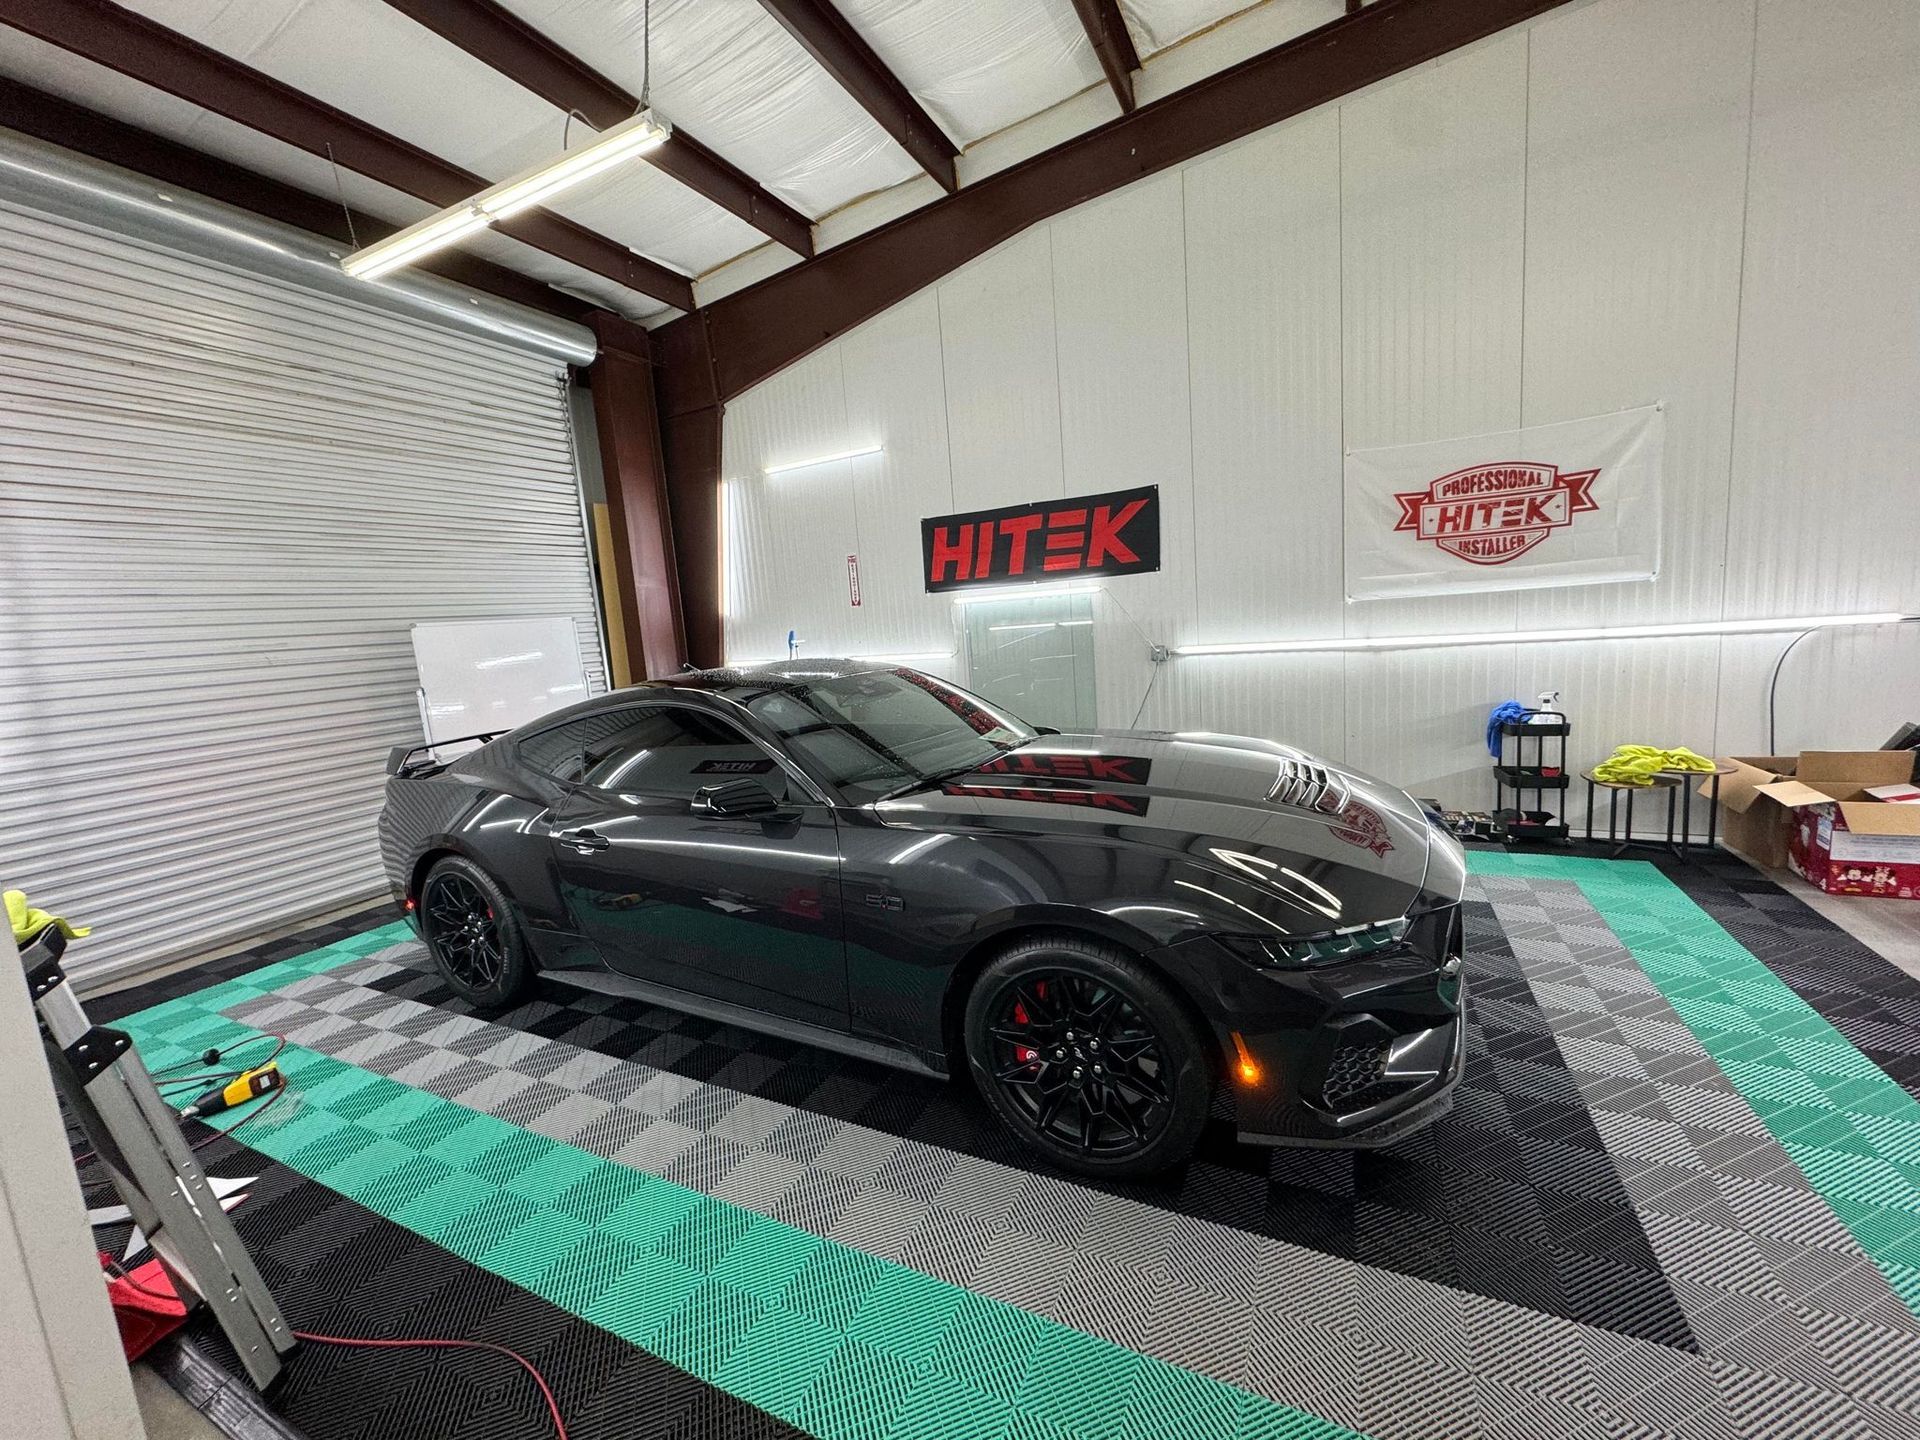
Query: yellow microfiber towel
[[1638, 764], [28, 922]]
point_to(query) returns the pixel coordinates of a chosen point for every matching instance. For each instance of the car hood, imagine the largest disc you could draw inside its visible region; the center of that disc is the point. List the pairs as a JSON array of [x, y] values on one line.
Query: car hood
[[1312, 843]]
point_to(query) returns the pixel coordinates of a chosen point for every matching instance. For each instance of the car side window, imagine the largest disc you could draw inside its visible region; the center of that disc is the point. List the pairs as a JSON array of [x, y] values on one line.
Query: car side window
[[672, 750]]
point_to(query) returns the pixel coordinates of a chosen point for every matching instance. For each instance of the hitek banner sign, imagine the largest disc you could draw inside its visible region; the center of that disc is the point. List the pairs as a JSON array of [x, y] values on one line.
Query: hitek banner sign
[[1575, 503]]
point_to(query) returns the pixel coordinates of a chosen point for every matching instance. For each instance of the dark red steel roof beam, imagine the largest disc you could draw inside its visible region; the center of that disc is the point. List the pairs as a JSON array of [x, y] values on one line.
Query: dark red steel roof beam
[[497, 37], [1108, 34], [825, 35], [740, 339], [156, 56], [757, 331]]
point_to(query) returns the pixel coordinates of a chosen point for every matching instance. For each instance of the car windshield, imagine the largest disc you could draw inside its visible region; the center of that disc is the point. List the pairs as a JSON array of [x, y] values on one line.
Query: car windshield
[[882, 732]]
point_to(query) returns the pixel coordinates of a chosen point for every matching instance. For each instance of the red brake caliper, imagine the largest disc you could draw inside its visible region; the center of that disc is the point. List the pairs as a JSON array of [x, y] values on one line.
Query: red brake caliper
[[1023, 1053]]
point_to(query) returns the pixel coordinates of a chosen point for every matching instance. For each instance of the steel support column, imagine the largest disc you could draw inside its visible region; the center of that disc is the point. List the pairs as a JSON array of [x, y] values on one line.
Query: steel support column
[[627, 423], [690, 430]]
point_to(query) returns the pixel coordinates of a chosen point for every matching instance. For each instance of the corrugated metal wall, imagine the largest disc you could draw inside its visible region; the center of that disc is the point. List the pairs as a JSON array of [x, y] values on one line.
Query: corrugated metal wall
[[223, 501], [1711, 204]]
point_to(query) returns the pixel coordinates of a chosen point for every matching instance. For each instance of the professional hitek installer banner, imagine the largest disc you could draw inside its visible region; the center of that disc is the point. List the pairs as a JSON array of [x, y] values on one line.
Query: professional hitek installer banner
[[1113, 534], [1576, 503]]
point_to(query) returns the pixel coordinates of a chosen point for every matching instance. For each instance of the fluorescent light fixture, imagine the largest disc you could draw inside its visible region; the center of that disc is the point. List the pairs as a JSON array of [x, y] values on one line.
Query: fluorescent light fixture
[[531, 187], [1041, 625], [822, 460], [1542, 637], [1022, 592]]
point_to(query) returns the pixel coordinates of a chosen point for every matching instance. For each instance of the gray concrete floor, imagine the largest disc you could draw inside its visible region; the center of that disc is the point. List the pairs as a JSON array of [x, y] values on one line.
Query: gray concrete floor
[[165, 1415], [1891, 927]]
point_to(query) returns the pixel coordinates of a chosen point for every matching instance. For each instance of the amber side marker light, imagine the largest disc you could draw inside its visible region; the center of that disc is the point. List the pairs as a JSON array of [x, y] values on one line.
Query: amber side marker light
[[1247, 1069]]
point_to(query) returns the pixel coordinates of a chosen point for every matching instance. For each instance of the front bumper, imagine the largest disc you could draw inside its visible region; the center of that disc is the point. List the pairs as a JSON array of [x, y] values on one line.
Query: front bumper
[[1357, 1054], [1403, 1100]]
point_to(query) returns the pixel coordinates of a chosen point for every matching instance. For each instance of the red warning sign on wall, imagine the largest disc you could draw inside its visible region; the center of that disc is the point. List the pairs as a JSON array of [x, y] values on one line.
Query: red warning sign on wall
[[1113, 534]]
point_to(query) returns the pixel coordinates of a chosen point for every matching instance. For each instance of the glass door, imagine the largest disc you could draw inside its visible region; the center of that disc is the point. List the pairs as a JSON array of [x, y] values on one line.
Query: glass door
[[1034, 656]]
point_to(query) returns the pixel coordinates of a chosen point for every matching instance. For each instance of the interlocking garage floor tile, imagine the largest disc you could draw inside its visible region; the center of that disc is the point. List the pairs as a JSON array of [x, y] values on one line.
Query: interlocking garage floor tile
[[1615, 1233], [1520, 1137]]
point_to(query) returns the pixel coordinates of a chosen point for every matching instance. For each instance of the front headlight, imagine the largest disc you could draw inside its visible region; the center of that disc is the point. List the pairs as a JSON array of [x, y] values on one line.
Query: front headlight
[[1328, 948]]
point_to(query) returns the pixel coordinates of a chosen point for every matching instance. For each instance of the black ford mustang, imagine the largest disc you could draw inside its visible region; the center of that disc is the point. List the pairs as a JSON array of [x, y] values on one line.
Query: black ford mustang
[[1108, 930]]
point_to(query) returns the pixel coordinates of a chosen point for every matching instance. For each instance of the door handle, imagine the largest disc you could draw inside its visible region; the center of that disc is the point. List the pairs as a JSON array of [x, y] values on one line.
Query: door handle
[[585, 841]]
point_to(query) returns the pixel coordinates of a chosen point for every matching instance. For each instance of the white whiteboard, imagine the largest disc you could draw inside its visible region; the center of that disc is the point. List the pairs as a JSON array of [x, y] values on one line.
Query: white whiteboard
[[482, 675]]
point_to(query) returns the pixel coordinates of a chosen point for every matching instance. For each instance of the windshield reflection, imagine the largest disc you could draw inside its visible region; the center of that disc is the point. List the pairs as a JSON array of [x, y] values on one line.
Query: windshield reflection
[[884, 732]]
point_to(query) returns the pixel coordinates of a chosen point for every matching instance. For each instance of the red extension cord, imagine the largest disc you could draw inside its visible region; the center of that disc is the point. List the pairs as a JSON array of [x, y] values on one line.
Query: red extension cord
[[345, 1341], [366, 1343]]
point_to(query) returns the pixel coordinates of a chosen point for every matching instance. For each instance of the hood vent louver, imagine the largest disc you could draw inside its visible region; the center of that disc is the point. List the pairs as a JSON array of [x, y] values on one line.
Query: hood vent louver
[[1304, 785]]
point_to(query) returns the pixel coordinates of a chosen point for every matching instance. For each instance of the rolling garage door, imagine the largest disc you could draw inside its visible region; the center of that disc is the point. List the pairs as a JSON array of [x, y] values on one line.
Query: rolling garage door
[[223, 500]]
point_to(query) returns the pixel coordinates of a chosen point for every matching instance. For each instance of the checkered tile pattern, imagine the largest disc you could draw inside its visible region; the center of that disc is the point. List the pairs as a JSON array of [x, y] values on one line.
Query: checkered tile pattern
[[812, 1331], [1771, 1291], [1771, 1278], [339, 1268], [1873, 1004], [1518, 1141], [1609, 1236]]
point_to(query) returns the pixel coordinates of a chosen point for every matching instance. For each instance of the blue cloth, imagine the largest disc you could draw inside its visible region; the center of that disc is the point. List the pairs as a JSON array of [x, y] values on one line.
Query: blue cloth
[[1507, 712]]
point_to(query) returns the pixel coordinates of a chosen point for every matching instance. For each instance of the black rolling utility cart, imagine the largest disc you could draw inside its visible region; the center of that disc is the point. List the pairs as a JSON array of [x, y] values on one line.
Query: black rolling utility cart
[[1529, 766]]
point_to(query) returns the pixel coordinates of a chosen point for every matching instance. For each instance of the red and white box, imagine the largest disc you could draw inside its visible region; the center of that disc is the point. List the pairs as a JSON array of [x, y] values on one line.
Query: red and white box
[[1856, 832]]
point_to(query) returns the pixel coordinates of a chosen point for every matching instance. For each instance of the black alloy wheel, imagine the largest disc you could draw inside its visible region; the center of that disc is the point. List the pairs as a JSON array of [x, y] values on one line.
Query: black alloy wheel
[[1088, 1058], [463, 931], [1081, 1063]]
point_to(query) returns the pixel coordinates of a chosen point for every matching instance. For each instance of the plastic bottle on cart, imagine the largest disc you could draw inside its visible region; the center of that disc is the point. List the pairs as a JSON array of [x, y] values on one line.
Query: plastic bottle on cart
[[1549, 700]]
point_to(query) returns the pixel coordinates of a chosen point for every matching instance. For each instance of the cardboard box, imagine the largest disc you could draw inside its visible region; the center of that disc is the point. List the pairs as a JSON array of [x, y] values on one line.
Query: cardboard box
[[1757, 831], [1816, 813]]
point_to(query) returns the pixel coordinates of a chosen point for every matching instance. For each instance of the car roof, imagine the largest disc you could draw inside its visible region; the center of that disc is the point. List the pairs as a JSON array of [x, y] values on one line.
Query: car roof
[[731, 679], [706, 687]]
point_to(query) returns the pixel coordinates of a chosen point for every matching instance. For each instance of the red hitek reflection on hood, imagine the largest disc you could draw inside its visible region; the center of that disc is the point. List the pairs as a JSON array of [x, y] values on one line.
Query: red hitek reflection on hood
[[1114, 769], [1113, 534], [980, 720], [1049, 795]]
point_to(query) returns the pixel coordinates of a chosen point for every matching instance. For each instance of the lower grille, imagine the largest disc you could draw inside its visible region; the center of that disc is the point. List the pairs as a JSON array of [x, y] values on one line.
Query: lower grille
[[1353, 1070], [1354, 1080]]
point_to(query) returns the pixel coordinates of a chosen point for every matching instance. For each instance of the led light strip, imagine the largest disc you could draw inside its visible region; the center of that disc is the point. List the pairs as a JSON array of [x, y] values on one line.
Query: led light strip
[[529, 188], [877, 659], [1022, 592], [822, 460], [1543, 637]]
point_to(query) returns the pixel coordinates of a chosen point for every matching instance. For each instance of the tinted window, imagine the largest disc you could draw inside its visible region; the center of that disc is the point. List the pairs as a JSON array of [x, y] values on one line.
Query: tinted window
[[875, 732], [651, 750]]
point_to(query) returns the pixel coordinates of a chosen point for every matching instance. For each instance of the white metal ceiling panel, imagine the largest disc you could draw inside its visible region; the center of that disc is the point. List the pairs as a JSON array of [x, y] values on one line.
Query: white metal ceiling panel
[[727, 71], [1156, 24], [682, 227], [723, 69], [979, 67], [375, 63], [48, 68], [223, 500], [368, 59]]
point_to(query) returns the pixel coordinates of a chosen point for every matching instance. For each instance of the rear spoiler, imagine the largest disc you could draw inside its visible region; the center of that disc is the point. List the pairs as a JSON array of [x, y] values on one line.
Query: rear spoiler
[[400, 759]]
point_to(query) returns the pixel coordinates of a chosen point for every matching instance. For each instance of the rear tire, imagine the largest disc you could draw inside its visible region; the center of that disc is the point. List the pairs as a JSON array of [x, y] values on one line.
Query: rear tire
[[1088, 1057], [471, 932]]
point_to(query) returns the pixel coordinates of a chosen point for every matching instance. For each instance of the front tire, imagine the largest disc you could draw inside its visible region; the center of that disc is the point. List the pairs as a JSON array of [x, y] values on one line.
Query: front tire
[[1088, 1057], [471, 933]]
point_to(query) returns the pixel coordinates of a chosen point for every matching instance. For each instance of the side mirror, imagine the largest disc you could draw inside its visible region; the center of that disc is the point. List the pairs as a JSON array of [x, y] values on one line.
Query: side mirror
[[736, 800]]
